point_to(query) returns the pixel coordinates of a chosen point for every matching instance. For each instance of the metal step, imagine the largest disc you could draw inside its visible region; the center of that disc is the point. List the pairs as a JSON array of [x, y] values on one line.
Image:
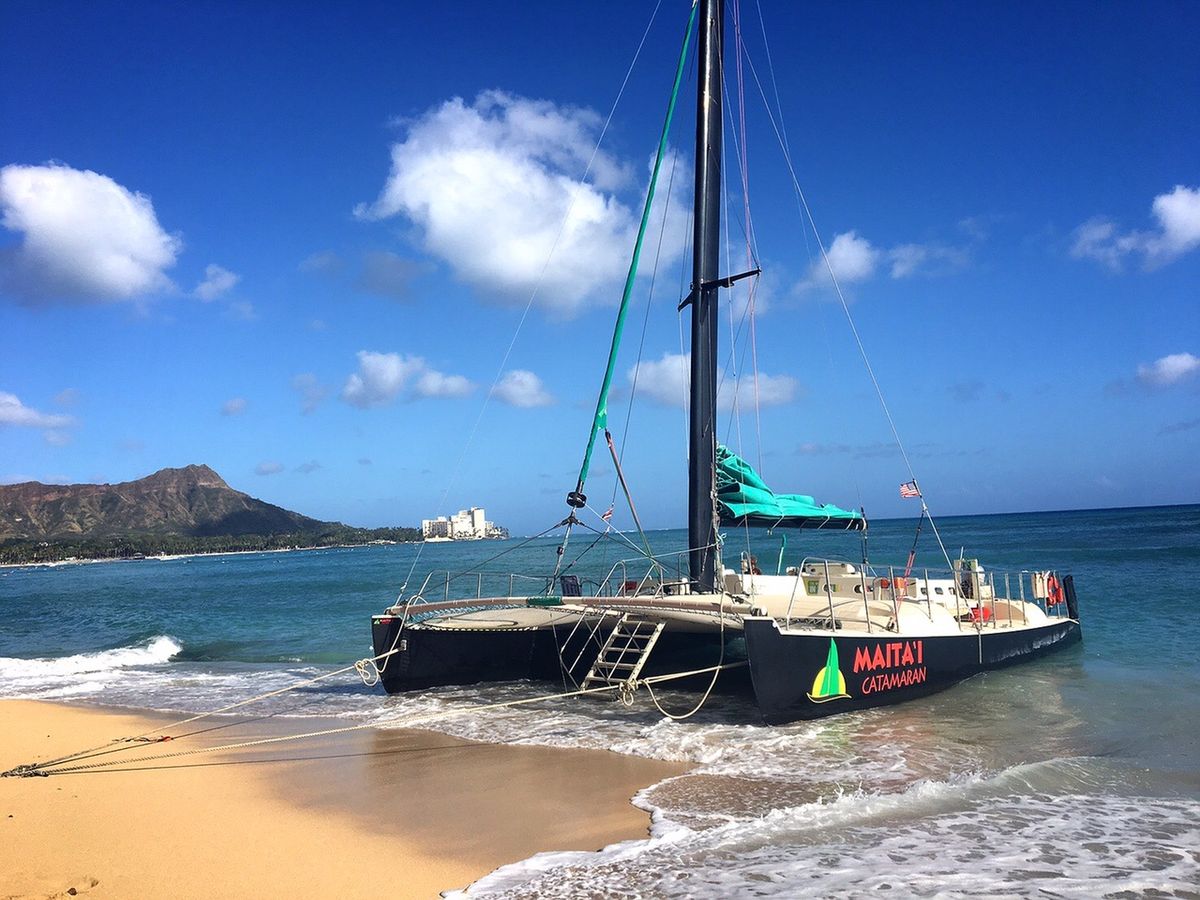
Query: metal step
[[625, 651]]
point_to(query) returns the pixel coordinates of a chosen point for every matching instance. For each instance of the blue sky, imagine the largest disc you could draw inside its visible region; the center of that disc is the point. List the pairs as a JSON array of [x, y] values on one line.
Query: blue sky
[[295, 243]]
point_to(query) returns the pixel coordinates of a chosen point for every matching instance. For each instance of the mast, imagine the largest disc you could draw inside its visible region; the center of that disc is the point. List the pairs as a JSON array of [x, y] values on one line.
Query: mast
[[705, 260]]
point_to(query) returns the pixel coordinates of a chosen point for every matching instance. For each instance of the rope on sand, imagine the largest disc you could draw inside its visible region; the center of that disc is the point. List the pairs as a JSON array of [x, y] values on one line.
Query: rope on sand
[[56, 767]]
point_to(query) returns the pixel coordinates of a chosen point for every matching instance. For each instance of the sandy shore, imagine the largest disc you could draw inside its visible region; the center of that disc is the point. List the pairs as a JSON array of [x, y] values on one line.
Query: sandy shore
[[367, 814]]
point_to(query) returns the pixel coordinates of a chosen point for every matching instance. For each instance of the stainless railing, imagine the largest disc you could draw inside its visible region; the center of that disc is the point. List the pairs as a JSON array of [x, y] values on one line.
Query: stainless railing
[[644, 576], [982, 598], [975, 596]]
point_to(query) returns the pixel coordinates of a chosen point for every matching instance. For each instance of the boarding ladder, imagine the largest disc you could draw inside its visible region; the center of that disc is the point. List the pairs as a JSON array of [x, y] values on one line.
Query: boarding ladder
[[625, 651]]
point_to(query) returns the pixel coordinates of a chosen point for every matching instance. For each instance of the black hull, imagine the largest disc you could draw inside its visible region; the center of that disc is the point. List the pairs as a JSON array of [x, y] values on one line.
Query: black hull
[[809, 676], [430, 657]]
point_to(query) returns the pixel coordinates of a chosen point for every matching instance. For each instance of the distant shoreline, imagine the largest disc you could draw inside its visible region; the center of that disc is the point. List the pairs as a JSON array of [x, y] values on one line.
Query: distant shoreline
[[167, 557]]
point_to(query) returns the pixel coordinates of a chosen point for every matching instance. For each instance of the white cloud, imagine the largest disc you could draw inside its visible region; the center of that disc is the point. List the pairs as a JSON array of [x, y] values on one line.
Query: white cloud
[[383, 377], [665, 381], [522, 388], [85, 238], [322, 261], [234, 406], [1097, 239], [312, 392], [1178, 232], [771, 390], [217, 281], [436, 384], [907, 258], [1168, 370], [14, 412], [926, 259], [387, 275], [854, 259], [268, 468], [242, 311], [488, 185], [67, 397], [58, 438], [309, 467], [1178, 215], [380, 378]]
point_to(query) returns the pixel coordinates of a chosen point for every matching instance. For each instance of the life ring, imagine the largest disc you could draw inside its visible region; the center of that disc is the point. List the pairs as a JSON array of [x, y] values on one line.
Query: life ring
[[901, 585], [1054, 592], [884, 584]]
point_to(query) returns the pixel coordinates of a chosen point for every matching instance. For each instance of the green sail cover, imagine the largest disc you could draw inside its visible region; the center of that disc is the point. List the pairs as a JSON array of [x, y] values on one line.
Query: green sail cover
[[743, 498]]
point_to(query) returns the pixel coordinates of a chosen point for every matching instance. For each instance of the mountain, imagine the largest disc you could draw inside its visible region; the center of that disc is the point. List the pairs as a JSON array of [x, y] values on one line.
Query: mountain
[[193, 501]]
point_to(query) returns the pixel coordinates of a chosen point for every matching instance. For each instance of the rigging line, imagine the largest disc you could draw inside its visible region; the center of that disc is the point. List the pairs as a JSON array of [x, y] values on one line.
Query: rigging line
[[735, 336], [646, 318], [653, 277], [735, 406], [735, 400], [107, 748], [91, 751], [582, 553], [614, 535], [506, 551], [748, 309], [778, 102], [803, 201], [712, 684], [686, 381], [600, 419], [562, 227], [618, 536], [752, 290], [400, 722], [625, 487]]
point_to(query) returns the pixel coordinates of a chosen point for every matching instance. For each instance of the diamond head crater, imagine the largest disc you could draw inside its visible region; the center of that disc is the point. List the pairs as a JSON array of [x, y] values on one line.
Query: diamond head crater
[[172, 512]]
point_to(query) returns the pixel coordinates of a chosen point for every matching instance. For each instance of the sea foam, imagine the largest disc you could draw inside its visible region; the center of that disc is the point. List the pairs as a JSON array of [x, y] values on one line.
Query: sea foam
[[24, 677]]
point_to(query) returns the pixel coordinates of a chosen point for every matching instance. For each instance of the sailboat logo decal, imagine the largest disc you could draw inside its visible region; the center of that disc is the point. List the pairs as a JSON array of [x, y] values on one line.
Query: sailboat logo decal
[[829, 683]]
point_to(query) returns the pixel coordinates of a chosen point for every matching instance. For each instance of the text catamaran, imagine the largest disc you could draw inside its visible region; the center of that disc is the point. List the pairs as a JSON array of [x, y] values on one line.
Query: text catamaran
[[822, 637]]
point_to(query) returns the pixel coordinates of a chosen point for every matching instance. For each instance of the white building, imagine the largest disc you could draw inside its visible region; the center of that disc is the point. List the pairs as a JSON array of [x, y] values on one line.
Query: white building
[[465, 525]]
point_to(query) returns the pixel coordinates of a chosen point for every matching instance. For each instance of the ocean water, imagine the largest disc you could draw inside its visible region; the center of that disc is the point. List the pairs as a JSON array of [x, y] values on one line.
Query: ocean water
[[1073, 776]]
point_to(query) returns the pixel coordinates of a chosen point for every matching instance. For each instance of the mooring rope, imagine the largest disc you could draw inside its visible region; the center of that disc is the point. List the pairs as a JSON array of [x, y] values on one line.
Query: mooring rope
[[54, 767]]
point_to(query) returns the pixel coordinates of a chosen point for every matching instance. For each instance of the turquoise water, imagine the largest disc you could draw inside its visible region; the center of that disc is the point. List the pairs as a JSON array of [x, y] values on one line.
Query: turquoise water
[[1079, 774]]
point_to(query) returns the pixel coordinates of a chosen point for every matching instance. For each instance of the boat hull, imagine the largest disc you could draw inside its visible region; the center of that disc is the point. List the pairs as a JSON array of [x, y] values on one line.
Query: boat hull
[[433, 657], [809, 675]]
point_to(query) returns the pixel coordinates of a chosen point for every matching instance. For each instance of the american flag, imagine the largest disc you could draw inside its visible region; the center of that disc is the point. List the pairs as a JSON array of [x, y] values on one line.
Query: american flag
[[607, 514], [909, 489]]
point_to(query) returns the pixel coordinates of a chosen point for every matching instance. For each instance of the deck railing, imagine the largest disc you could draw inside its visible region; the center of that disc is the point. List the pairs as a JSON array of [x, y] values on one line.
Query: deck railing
[[973, 595]]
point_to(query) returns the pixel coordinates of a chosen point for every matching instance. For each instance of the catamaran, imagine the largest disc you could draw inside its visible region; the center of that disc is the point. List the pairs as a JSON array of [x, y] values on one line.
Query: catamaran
[[818, 638]]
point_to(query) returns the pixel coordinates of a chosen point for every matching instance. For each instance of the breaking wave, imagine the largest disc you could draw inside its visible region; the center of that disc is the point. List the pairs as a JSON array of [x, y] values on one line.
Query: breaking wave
[[82, 672]]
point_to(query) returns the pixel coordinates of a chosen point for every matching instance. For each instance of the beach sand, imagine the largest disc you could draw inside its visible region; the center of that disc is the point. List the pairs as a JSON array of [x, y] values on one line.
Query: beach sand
[[367, 814]]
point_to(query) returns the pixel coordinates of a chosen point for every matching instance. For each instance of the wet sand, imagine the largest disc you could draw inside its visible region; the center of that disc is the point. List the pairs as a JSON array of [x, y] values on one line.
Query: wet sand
[[395, 813]]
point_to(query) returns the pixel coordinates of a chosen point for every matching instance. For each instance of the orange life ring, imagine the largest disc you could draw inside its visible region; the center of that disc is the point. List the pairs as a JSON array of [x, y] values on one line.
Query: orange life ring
[[1054, 593], [901, 585], [884, 584]]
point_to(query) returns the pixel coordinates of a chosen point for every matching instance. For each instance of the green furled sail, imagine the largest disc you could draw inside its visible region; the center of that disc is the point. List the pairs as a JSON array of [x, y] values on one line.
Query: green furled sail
[[743, 498]]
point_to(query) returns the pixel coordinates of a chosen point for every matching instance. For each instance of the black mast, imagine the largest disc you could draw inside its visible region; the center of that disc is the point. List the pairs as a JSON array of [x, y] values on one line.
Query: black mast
[[705, 261]]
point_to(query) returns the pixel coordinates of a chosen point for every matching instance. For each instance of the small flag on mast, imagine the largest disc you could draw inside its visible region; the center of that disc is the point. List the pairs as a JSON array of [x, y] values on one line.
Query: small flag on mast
[[607, 514], [909, 489]]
